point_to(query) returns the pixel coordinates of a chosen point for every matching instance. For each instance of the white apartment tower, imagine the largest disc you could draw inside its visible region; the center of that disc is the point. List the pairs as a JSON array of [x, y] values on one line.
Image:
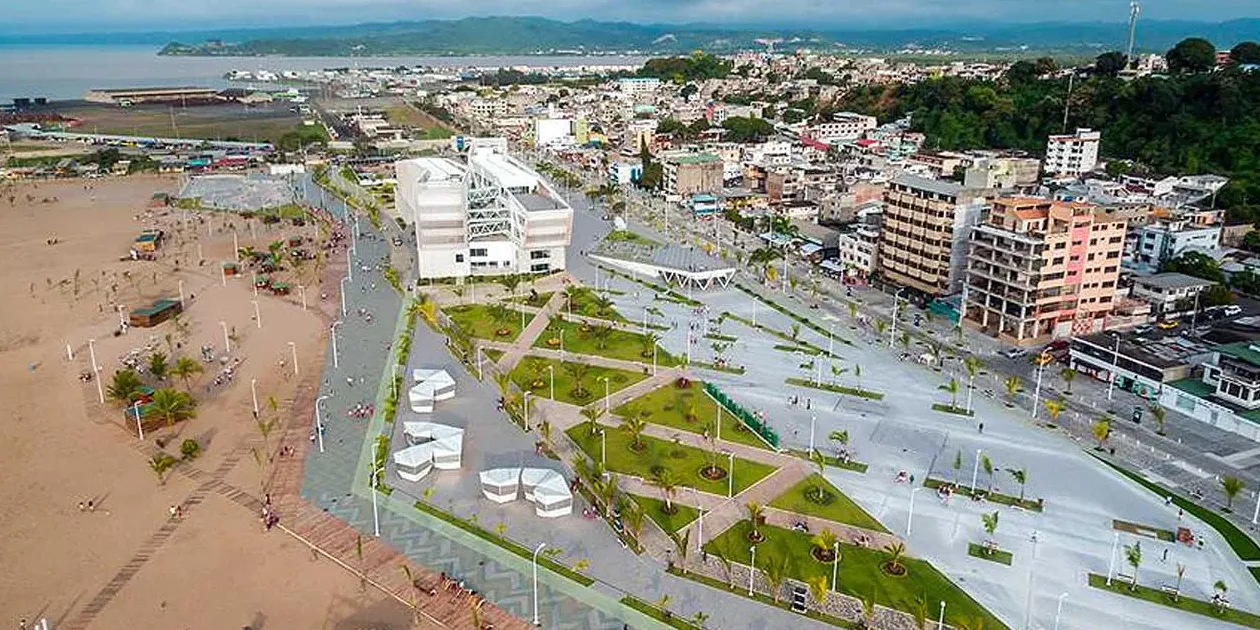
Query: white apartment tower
[[490, 216], [1072, 154]]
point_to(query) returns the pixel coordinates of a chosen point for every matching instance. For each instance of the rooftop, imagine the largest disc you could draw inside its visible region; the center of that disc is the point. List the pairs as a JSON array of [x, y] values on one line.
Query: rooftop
[[1242, 350], [534, 202], [1165, 352], [1173, 281], [692, 158], [940, 187]]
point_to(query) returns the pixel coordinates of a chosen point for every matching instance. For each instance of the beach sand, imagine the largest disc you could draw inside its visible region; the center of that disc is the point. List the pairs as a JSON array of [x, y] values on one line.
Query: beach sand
[[216, 567]]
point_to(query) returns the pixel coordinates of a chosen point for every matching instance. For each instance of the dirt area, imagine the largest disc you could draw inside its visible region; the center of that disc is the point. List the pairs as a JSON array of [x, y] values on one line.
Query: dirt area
[[215, 567], [253, 123]]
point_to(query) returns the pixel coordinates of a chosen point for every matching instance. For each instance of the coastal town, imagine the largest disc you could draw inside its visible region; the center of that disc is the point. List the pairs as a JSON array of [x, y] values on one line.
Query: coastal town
[[674, 343]]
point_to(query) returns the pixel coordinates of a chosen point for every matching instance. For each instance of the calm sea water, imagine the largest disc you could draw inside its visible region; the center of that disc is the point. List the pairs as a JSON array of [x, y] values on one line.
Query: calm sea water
[[66, 72]]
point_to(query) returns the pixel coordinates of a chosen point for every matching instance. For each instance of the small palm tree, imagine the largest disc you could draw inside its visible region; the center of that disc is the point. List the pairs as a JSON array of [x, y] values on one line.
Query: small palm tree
[[185, 368], [683, 544], [160, 464], [905, 340], [818, 588], [841, 438], [577, 371], [870, 607], [1013, 387], [990, 522], [896, 553], [987, 465], [634, 425], [881, 327], [1021, 477], [796, 331], [592, 415], [952, 388], [1101, 430], [1231, 486], [125, 387], [699, 618], [667, 481], [824, 542], [1068, 375], [1181, 573], [776, 572], [158, 365], [857, 375], [957, 465], [755, 510], [172, 406], [1054, 408], [1133, 555]]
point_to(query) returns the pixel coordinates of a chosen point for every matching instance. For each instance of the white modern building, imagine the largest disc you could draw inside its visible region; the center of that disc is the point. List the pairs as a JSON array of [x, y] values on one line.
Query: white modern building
[[639, 85], [1168, 292], [1152, 244], [554, 132], [430, 386], [843, 127], [1072, 154], [490, 216]]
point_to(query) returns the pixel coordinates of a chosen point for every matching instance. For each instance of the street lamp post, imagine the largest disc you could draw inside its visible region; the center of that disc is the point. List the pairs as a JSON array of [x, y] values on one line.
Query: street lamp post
[[319, 423], [975, 471], [349, 265], [227, 340], [551, 369], [480, 358], [293, 348], [525, 407], [812, 419], [376, 517], [1041, 367], [302, 291], [1115, 365], [1111, 560], [730, 475], [332, 332], [892, 332], [607, 402], [653, 359], [535, 567], [835, 565], [603, 449], [752, 568], [910, 517], [253, 391], [139, 427], [940, 619], [1058, 612], [257, 314], [343, 295]]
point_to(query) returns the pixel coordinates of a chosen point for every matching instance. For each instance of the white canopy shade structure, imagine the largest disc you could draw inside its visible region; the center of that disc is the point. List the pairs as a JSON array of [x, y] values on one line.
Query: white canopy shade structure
[[432, 445], [546, 489], [501, 485], [430, 386]]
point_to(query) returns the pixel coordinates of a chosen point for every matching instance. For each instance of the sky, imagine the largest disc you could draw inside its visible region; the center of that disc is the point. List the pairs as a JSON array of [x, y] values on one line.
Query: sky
[[31, 16]]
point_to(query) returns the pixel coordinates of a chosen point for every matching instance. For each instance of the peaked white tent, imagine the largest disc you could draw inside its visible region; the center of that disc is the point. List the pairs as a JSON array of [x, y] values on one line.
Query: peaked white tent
[[430, 386], [545, 488], [432, 446]]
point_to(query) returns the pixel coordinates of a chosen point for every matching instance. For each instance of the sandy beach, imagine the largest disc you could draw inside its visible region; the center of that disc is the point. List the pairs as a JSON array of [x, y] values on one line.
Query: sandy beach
[[65, 247]]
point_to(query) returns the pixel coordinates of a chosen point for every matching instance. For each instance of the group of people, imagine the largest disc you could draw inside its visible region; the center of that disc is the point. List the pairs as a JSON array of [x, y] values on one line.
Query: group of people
[[362, 410]]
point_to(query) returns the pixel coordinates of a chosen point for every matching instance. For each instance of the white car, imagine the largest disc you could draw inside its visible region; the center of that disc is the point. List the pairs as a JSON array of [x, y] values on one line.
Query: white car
[[1014, 353], [1233, 310]]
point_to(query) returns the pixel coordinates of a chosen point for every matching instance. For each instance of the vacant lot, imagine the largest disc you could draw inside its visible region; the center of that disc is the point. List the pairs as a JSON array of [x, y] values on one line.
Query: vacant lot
[[256, 123]]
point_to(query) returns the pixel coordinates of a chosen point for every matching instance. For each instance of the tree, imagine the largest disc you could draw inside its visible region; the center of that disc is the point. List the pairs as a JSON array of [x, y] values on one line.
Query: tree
[[683, 544], [1109, 64], [1069, 375], [990, 522], [172, 406], [957, 464], [841, 438], [1245, 52], [125, 387], [158, 365], [1231, 486], [1101, 430], [870, 607], [1191, 55], [776, 572], [896, 553], [1194, 264], [1020, 476], [824, 542], [1181, 574], [1054, 408], [1133, 554], [987, 465], [755, 511], [160, 464], [577, 371], [185, 368], [1013, 387], [741, 129], [1218, 294], [667, 481], [699, 618], [952, 388], [634, 425], [1161, 417], [510, 282], [818, 588]]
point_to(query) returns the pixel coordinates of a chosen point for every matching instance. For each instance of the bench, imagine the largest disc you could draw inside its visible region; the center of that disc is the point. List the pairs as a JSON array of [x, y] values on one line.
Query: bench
[[1169, 589]]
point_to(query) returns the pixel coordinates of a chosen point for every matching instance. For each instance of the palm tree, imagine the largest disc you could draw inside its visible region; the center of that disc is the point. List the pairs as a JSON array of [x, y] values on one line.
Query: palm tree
[[1231, 486], [577, 371], [776, 573], [818, 588], [510, 282], [667, 481], [125, 386], [185, 368], [896, 553], [699, 618], [824, 543], [796, 331], [905, 340], [1161, 416], [172, 405], [544, 431], [881, 327], [634, 425], [1101, 430], [683, 544], [498, 313], [857, 375], [1021, 477], [853, 310], [1013, 387], [161, 463], [816, 457], [990, 522], [952, 388], [158, 365], [755, 511], [1133, 554], [728, 568], [1181, 573], [592, 415], [987, 465], [957, 465], [870, 607], [973, 365], [1054, 408], [841, 438], [1069, 375], [648, 342]]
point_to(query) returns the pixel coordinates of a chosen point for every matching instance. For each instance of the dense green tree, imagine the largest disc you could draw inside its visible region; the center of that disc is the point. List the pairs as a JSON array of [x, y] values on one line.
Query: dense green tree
[[1246, 282], [1216, 295], [671, 125], [696, 67], [1046, 65], [740, 129], [689, 90], [1109, 64], [1022, 72], [1245, 52], [1194, 264], [1192, 54]]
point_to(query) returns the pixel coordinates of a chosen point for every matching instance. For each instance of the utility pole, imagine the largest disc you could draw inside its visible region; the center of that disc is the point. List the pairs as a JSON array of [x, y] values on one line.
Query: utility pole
[[1134, 10]]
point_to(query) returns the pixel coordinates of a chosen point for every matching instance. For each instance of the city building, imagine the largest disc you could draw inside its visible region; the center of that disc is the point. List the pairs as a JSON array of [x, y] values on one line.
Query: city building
[[554, 131], [857, 251], [1161, 240], [638, 85], [1226, 394], [690, 173], [491, 216], [843, 127], [1169, 292], [1142, 366], [132, 96], [1003, 173], [624, 173], [1072, 154], [1040, 269], [923, 244]]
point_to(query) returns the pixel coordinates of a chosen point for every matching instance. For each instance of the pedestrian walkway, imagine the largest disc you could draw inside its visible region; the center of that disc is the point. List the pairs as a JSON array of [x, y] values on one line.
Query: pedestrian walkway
[[515, 351]]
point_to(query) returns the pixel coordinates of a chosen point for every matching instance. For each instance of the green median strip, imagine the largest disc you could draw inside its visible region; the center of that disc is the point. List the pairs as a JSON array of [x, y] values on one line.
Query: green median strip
[[982, 552], [837, 389], [509, 545], [659, 614], [959, 411], [764, 599], [1166, 598], [1035, 505], [1241, 543], [1143, 530]]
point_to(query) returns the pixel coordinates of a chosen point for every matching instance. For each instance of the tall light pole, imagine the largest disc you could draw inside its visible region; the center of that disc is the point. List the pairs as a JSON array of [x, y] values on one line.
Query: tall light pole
[[910, 516], [253, 391], [892, 332], [349, 265], [376, 517], [1115, 365], [257, 314], [730, 475], [1041, 367], [332, 332], [525, 407], [607, 402], [227, 340], [343, 295], [319, 422], [537, 549], [1111, 560], [293, 348], [812, 419], [831, 340], [139, 427], [1058, 612], [975, 471], [302, 291], [940, 619], [752, 568], [551, 369], [181, 294], [603, 449], [835, 565]]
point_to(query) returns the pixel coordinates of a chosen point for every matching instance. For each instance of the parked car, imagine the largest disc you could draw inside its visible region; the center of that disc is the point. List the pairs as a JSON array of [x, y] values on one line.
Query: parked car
[[1142, 330], [1233, 310], [1168, 324], [1014, 353]]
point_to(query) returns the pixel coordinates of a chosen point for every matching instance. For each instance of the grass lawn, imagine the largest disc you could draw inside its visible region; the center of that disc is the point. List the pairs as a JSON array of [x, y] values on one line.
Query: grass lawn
[[475, 320], [860, 572], [1240, 542], [835, 506], [670, 405], [536, 303], [1155, 595], [991, 497], [662, 616], [493, 354], [685, 461], [794, 349], [618, 344], [839, 389], [533, 371], [1143, 530], [586, 302], [999, 556], [655, 510], [757, 596], [945, 408]]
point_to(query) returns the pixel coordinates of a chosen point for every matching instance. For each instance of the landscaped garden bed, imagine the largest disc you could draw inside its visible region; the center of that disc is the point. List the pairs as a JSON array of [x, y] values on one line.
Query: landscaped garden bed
[[815, 496], [532, 375], [1143, 530], [1158, 596], [495, 321], [991, 497], [947, 408], [689, 410], [602, 341], [838, 389], [1000, 556], [670, 522]]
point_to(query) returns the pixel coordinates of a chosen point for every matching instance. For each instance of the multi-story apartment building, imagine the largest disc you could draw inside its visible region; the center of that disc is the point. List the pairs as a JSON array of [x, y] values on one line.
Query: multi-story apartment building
[[843, 127], [857, 250], [1161, 240], [923, 244], [1040, 269], [690, 173], [1072, 154], [491, 216], [638, 85]]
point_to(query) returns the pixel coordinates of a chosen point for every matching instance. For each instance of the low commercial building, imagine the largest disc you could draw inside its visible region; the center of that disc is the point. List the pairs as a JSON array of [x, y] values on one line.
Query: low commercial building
[[1169, 292], [135, 96], [1226, 394], [1144, 367], [858, 251]]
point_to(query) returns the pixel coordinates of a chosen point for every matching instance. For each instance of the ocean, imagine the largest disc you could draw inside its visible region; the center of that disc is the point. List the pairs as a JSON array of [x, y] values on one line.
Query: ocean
[[66, 72]]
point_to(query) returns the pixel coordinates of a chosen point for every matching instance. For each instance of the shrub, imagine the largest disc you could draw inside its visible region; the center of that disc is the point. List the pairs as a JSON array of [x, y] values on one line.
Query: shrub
[[190, 449]]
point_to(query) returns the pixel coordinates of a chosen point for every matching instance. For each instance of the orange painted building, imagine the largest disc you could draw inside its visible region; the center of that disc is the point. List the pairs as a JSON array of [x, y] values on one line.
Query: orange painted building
[[1040, 269]]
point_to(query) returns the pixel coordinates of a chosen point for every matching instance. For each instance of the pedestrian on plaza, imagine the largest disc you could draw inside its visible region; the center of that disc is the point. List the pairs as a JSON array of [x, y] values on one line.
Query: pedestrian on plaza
[[1165, 558], [82, 506], [981, 427], [1179, 513]]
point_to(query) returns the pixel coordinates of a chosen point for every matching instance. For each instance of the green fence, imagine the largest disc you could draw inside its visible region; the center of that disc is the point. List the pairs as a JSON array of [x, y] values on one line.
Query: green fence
[[751, 421]]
